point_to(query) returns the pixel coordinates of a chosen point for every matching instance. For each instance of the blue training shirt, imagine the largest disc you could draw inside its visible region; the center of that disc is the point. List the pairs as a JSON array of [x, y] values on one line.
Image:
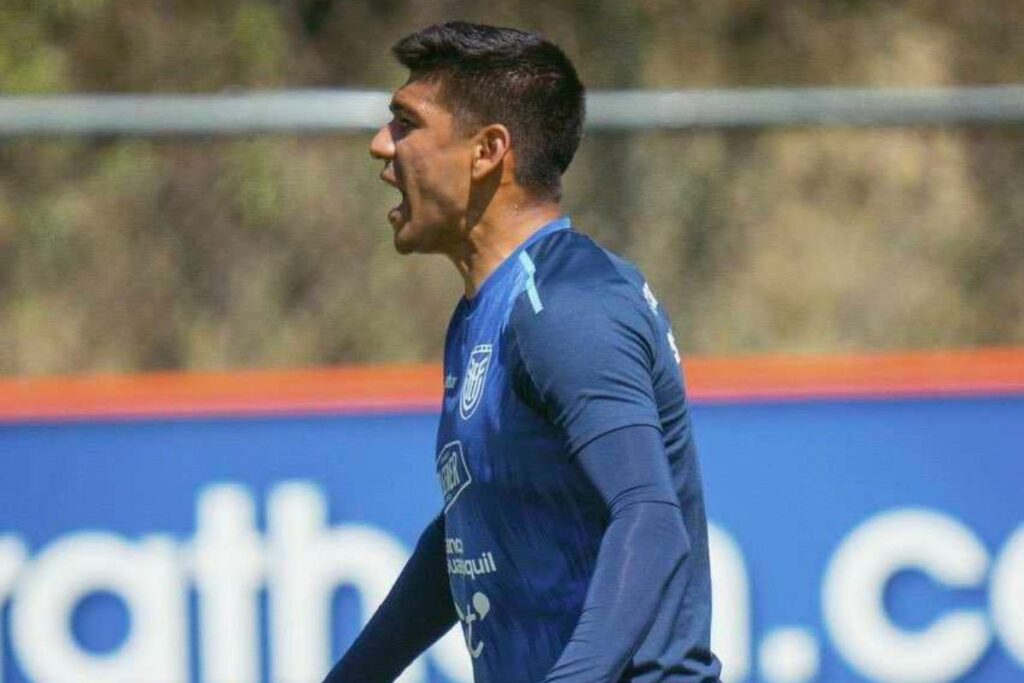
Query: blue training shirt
[[564, 342]]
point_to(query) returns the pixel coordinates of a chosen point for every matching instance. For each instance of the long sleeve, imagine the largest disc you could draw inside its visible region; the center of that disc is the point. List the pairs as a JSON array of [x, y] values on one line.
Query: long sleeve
[[643, 546], [416, 612]]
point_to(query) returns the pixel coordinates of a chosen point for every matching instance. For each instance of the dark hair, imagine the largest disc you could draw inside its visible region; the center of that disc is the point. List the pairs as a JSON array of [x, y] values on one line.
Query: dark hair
[[503, 75]]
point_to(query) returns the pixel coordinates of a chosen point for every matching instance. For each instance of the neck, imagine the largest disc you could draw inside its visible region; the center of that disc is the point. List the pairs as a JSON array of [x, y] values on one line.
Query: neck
[[495, 235]]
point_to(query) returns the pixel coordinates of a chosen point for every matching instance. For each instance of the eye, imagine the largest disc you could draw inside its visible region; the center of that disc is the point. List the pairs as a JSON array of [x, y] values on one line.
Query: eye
[[402, 121]]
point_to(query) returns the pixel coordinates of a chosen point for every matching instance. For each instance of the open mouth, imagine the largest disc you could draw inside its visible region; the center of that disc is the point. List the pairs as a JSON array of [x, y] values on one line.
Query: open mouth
[[399, 214]]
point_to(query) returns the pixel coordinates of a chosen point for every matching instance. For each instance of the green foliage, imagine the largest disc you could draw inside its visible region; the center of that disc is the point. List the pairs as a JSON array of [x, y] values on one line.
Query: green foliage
[[30, 61], [261, 44]]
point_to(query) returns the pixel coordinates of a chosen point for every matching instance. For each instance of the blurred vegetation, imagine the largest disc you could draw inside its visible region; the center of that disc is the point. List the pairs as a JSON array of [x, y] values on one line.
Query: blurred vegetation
[[123, 255]]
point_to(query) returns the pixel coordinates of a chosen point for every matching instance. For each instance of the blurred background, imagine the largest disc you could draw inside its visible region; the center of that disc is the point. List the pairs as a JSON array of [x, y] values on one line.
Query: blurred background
[[851, 299], [273, 250]]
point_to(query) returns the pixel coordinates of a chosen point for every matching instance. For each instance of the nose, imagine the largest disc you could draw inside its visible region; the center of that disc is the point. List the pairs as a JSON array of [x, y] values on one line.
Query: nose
[[382, 146]]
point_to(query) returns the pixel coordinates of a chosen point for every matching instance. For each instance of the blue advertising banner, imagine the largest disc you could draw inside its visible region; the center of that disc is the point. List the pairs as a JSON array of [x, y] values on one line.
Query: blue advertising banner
[[854, 540]]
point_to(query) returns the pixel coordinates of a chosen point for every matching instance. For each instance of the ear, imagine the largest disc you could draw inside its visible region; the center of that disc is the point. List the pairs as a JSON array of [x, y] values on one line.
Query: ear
[[491, 146]]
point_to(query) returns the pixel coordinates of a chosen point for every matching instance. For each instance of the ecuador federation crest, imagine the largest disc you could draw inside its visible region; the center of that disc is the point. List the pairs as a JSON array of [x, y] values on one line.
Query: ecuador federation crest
[[473, 381]]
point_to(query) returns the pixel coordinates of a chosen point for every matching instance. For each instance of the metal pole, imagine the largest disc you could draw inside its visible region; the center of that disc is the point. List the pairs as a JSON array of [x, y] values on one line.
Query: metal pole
[[326, 111]]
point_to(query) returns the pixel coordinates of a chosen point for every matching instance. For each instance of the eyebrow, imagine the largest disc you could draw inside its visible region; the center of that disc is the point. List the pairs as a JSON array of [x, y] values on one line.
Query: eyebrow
[[398, 108]]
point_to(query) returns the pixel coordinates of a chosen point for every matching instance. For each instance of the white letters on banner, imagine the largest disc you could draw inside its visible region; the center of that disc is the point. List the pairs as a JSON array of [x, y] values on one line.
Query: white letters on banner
[[854, 600], [301, 560], [147, 575], [1007, 595], [730, 600]]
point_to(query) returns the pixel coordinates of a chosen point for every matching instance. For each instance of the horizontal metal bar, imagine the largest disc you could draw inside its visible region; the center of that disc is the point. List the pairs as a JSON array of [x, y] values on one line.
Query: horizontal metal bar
[[291, 111], [336, 111], [805, 107]]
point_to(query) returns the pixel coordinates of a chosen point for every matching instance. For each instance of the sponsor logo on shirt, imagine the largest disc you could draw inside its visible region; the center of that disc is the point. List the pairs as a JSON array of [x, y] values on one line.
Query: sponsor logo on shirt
[[472, 568], [452, 472], [473, 382], [480, 605], [475, 610]]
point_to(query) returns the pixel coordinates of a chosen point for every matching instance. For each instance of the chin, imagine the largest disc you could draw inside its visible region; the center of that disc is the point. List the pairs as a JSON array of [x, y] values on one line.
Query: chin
[[416, 239], [405, 240], [404, 247]]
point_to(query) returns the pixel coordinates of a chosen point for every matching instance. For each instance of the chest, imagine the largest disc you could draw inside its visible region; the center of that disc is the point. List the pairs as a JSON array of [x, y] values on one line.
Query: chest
[[478, 374], [490, 442]]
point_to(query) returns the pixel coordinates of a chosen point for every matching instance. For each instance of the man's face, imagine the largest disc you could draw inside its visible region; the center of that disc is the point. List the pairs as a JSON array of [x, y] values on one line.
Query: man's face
[[430, 164]]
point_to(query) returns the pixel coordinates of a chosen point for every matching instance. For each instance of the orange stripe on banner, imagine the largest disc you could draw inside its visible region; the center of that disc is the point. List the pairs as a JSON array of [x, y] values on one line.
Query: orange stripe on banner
[[417, 388], [943, 373], [389, 388]]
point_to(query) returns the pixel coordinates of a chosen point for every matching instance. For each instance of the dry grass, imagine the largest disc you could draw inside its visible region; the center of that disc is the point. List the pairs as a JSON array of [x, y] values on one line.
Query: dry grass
[[130, 255]]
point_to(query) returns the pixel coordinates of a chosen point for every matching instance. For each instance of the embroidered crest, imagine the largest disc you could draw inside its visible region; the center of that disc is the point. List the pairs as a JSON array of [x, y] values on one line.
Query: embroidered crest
[[473, 382]]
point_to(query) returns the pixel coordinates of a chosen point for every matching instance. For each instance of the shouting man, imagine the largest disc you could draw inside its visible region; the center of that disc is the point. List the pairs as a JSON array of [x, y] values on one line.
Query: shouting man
[[573, 541]]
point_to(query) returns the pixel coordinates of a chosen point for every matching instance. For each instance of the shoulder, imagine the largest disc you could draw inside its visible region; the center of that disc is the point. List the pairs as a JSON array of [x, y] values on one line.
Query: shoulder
[[569, 260], [577, 293], [582, 339], [571, 271]]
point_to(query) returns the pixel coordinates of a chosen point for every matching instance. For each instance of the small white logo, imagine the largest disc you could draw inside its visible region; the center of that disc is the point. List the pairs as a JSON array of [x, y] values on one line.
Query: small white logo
[[675, 347], [473, 382], [649, 296], [476, 610], [450, 381], [452, 472]]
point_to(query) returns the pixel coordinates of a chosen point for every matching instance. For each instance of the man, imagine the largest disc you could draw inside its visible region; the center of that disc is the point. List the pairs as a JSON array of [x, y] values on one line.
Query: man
[[573, 543]]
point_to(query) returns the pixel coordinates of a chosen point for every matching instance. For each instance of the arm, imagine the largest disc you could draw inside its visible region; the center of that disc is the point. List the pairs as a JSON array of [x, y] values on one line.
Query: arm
[[416, 612], [643, 546], [588, 362]]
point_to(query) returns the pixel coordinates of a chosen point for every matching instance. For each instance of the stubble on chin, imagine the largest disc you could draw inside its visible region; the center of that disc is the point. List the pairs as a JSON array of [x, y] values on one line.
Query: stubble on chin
[[407, 241], [403, 248]]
